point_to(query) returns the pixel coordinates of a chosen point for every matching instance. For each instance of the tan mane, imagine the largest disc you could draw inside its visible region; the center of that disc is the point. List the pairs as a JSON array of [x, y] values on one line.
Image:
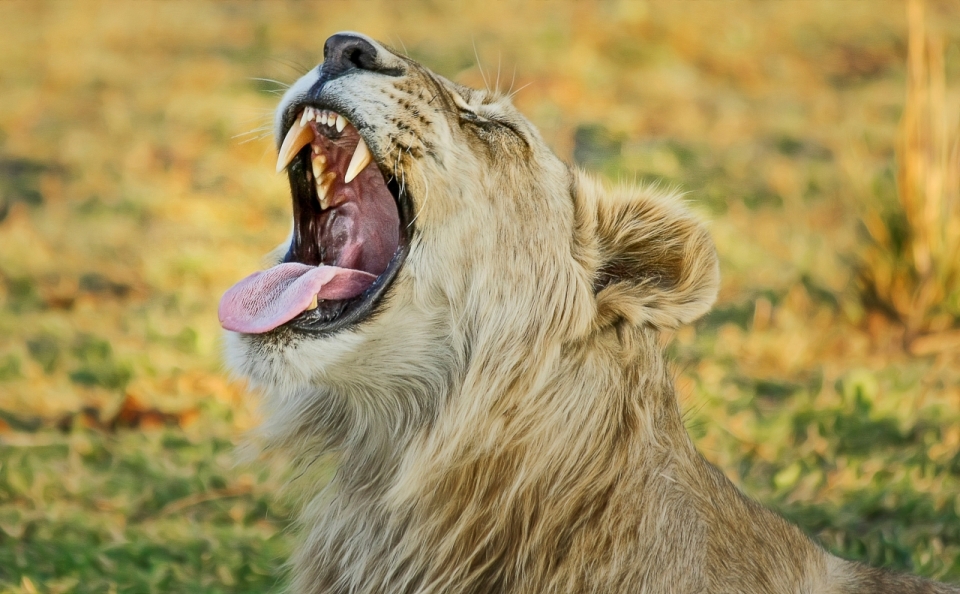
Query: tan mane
[[505, 420]]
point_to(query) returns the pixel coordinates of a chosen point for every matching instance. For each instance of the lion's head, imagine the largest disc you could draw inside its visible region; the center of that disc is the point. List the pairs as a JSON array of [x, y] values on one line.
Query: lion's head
[[437, 240], [472, 326]]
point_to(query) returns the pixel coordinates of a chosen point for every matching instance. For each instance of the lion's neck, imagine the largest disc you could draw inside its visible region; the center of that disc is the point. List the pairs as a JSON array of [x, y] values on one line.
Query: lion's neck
[[526, 454]]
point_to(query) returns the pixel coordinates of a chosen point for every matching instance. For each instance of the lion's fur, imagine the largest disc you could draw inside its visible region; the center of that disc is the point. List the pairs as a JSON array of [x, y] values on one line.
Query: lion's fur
[[506, 421]]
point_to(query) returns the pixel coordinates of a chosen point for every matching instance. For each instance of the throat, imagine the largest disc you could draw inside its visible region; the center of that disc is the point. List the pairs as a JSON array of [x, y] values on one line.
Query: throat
[[345, 214], [361, 230]]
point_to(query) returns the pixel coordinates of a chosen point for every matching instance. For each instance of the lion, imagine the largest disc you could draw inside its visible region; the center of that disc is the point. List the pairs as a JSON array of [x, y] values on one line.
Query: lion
[[469, 328]]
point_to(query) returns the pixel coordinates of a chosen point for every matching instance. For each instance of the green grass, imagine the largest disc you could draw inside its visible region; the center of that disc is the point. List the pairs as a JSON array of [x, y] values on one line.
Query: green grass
[[157, 511], [871, 479]]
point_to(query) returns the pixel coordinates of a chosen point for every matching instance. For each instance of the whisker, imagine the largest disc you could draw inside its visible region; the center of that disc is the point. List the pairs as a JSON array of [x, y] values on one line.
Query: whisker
[[270, 80], [403, 45], [254, 131], [513, 94], [259, 110], [486, 85], [292, 65], [254, 138], [426, 195], [263, 119]]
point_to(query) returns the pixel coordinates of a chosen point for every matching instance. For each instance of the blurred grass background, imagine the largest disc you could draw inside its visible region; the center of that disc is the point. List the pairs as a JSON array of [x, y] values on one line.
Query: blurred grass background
[[136, 185]]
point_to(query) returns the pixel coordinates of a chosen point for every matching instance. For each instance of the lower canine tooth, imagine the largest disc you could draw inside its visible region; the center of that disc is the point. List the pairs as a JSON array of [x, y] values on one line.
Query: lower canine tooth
[[319, 165], [361, 158], [323, 184]]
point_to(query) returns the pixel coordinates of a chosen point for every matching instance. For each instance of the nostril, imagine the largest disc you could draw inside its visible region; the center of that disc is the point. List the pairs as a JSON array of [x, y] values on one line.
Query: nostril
[[357, 58], [342, 52]]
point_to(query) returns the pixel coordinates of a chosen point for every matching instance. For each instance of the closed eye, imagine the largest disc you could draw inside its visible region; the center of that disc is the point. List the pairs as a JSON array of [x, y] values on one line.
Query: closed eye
[[490, 126], [474, 118], [469, 116], [467, 113]]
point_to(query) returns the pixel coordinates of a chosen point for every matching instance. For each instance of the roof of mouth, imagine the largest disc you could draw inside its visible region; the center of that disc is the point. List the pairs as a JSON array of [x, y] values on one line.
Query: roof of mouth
[[347, 228]]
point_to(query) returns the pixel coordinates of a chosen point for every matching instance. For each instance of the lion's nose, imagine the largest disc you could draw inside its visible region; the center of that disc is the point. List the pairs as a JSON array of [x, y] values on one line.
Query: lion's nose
[[344, 51]]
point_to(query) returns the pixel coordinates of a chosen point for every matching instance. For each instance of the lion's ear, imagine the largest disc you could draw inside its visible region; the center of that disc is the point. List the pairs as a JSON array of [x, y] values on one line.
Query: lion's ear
[[653, 262]]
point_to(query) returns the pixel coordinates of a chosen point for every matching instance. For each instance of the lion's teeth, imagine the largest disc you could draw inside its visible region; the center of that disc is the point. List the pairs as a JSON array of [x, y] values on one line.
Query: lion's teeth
[[323, 118], [313, 304], [297, 136], [341, 122], [322, 196], [361, 158], [323, 184], [319, 164]]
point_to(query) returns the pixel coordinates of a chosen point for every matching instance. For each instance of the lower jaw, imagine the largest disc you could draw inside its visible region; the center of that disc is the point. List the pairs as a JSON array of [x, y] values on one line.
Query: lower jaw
[[334, 316], [326, 313]]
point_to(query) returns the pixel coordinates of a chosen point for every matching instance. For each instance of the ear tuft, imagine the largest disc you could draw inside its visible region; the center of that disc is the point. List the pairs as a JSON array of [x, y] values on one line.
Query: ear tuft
[[654, 262]]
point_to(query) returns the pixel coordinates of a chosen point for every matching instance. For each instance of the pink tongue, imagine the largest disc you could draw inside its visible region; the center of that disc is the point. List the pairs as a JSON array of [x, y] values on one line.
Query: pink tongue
[[267, 299]]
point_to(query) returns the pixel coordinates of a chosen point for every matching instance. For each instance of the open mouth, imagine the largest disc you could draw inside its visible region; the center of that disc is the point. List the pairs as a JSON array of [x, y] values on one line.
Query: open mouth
[[350, 234]]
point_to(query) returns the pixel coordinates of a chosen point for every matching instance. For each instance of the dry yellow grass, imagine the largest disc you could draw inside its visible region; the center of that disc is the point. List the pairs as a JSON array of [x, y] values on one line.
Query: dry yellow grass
[[914, 267], [136, 110], [137, 194]]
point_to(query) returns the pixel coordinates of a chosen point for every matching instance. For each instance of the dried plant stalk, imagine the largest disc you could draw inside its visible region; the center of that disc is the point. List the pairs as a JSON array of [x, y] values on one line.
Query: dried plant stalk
[[913, 270]]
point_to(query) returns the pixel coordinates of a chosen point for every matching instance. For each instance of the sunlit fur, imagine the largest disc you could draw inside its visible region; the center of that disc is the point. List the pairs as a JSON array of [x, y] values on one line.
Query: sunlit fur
[[505, 421]]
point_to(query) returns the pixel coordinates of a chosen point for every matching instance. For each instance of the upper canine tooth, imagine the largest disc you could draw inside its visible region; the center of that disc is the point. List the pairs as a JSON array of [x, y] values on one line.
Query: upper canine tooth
[[297, 136], [341, 122], [361, 158]]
